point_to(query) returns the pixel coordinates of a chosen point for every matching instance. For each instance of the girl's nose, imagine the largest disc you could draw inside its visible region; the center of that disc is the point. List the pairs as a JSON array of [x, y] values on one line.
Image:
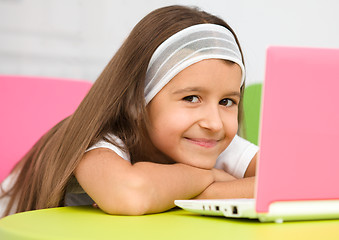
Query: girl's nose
[[211, 119]]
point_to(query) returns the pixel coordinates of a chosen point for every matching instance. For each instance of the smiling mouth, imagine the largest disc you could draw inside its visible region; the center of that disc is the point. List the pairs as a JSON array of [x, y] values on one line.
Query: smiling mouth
[[202, 142]]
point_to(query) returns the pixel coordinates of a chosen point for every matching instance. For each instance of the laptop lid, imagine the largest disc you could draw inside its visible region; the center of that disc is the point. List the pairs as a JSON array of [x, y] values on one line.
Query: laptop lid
[[299, 127]]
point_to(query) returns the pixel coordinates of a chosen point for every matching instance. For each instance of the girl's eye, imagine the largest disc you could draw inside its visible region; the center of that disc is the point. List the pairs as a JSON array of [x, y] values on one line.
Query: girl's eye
[[192, 99], [226, 102]]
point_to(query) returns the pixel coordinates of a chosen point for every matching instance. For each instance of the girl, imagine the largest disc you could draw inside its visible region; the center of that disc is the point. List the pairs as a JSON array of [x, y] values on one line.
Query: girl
[[159, 124]]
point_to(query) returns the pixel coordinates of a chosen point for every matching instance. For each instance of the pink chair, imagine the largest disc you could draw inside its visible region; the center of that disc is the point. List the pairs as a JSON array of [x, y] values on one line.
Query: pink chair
[[29, 107]]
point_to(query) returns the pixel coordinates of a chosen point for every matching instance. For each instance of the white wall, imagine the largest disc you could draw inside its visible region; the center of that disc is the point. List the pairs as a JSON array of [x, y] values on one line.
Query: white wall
[[76, 38]]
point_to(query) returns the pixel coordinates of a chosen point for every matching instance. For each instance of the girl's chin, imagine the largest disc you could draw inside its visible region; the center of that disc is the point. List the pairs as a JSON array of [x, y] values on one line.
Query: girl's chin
[[203, 165]]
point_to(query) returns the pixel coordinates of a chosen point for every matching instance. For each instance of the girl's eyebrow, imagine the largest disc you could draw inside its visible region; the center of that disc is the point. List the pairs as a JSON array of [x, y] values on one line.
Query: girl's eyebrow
[[188, 89], [199, 89], [234, 93]]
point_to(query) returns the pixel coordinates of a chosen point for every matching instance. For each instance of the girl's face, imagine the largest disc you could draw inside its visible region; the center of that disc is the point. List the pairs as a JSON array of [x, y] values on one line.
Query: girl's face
[[194, 117]]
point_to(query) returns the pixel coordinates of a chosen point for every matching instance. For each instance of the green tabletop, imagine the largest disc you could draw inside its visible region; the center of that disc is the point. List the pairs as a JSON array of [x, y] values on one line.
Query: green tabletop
[[90, 223]]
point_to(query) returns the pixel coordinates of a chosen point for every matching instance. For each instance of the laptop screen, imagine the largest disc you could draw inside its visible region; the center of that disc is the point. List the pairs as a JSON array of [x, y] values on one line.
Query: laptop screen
[[299, 126]]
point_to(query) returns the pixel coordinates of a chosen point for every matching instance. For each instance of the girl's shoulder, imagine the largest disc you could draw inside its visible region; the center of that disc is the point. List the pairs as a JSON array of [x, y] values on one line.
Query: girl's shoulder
[[113, 143], [237, 156]]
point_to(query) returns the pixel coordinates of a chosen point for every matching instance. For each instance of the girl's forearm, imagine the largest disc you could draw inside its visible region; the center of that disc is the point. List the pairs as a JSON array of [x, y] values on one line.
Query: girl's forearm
[[165, 183], [119, 187], [239, 188]]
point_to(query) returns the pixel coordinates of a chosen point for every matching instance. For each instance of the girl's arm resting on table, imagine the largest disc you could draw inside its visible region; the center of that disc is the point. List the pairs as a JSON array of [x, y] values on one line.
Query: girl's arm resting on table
[[238, 188], [118, 187], [233, 188]]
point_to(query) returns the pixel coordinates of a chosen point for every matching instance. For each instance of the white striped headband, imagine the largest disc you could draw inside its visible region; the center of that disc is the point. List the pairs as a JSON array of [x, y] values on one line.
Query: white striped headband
[[186, 47]]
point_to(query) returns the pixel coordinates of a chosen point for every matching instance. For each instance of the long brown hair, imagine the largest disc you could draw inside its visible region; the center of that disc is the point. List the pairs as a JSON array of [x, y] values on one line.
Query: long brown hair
[[115, 104]]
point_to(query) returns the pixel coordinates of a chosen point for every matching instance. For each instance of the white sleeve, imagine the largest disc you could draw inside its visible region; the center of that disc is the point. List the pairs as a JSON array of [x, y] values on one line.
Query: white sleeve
[[117, 150], [5, 186], [236, 157]]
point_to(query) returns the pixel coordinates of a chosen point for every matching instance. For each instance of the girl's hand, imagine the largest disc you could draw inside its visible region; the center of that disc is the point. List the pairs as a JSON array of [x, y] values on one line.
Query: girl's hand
[[221, 176], [239, 188]]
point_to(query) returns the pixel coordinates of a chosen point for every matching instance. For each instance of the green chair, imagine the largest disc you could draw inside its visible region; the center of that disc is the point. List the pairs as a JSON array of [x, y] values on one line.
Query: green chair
[[252, 106]]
